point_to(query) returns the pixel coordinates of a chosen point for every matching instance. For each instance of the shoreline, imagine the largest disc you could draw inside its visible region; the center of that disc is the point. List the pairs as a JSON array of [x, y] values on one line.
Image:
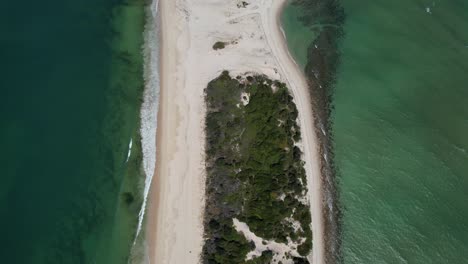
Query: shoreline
[[316, 187], [152, 220], [173, 225], [152, 223], [175, 228], [322, 59]]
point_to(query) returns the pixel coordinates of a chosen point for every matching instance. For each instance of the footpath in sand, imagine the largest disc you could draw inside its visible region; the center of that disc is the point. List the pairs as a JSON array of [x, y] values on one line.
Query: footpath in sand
[[255, 44]]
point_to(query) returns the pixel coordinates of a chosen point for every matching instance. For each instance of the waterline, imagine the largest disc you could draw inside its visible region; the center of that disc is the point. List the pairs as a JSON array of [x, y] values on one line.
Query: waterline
[[150, 105]]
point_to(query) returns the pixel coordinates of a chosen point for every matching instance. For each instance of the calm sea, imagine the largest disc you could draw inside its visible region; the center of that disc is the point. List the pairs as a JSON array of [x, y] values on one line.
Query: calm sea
[[400, 126], [71, 87]]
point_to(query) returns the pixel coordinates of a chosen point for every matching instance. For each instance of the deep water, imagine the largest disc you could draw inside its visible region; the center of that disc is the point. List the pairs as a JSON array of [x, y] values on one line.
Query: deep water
[[71, 88], [399, 124]]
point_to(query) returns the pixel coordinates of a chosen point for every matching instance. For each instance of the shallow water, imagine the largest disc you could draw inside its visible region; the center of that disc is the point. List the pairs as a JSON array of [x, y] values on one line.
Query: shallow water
[[400, 123], [297, 35], [71, 88]]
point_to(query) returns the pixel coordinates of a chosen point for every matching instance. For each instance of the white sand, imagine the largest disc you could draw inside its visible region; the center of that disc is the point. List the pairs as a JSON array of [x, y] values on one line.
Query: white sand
[[188, 63], [279, 250]]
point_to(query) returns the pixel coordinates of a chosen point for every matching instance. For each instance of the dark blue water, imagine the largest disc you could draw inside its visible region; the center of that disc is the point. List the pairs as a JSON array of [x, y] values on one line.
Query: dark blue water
[[66, 121]]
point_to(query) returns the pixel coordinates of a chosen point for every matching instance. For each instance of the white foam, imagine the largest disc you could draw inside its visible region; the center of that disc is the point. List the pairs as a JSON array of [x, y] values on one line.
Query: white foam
[[129, 150], [321, 126], [149, 107]]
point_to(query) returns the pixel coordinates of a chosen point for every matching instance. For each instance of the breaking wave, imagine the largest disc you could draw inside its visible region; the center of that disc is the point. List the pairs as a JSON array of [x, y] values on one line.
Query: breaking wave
[[149, 107]]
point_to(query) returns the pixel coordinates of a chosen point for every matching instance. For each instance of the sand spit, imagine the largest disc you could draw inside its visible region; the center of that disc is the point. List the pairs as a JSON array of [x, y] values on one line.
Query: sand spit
[[190, 28]]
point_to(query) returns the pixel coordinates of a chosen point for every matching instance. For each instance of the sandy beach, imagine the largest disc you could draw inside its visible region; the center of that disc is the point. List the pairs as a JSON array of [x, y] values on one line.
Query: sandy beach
[[255, 44]]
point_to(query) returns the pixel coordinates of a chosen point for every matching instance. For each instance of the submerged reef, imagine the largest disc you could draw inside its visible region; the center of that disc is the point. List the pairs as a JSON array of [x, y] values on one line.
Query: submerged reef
[[326, 19]]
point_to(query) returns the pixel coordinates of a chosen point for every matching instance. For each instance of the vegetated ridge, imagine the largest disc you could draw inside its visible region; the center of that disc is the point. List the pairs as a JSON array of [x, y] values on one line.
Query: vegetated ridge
[[255, 173]]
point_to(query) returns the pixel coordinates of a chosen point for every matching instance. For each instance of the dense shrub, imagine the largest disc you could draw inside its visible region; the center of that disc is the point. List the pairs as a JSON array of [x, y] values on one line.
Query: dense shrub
[[251, 161], [219, 45]]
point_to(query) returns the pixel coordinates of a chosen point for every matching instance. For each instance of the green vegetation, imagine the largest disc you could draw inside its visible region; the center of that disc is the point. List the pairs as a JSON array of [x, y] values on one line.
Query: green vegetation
[[219, 45], [254, 170], [242, 4]]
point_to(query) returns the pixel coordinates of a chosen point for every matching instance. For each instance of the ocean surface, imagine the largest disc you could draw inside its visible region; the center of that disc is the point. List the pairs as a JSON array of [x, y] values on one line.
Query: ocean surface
[[71, 89], [400, 126]]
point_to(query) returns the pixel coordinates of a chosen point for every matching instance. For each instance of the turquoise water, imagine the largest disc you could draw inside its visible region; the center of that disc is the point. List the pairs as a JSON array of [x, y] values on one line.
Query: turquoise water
[[297, 35], [400, 122], [71, 88], [400, 125]]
